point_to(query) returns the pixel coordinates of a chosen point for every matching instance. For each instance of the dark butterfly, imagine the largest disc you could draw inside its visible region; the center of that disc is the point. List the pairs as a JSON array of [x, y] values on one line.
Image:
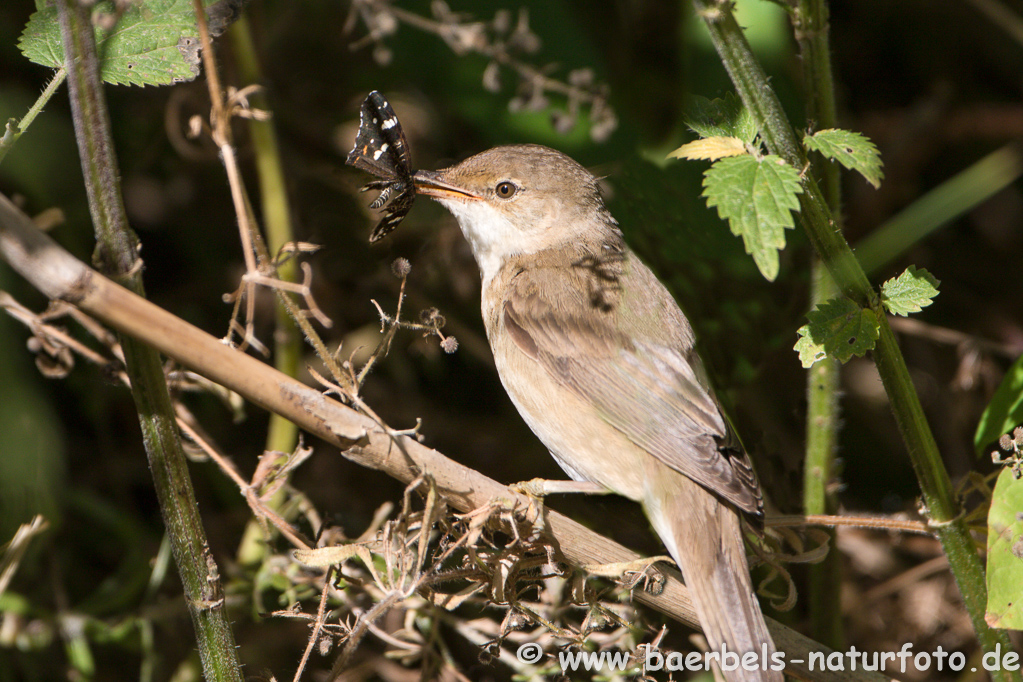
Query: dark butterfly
[[380, 149]]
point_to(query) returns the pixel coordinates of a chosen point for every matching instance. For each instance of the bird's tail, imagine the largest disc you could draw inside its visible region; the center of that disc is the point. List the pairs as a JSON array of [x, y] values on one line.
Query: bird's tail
[[704, 537]]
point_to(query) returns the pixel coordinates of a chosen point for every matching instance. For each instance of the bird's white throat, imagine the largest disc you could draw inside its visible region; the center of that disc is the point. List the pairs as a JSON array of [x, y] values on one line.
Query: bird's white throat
[[490, 233]]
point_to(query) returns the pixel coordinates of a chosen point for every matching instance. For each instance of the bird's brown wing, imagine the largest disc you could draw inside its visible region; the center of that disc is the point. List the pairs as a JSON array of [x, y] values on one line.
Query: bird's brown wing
[[643, 388]]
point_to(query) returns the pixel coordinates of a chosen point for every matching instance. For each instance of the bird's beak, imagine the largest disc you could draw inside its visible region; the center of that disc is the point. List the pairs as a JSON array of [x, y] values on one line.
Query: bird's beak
[[433, 184]]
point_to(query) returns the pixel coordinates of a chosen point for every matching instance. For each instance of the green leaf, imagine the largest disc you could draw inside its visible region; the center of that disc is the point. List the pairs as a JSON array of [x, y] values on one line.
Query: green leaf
[[910, 292], [152, 43], [756, 197], [1004, 412], [852, 150], [1005, 554], [837, 329], [810, 353], [725, 117]]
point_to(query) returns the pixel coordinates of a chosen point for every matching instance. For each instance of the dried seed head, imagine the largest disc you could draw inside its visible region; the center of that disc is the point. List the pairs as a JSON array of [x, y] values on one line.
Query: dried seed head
[[537, 100], [1017, 436], [1005, 442], [449, 344], [401, 267]]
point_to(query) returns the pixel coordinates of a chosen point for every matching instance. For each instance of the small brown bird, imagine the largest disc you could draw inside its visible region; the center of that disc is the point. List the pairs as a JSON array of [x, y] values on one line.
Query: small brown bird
[[599, 360]]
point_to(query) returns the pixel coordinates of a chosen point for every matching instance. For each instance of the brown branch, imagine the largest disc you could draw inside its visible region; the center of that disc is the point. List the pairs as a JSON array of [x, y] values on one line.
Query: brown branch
[[59, 275]]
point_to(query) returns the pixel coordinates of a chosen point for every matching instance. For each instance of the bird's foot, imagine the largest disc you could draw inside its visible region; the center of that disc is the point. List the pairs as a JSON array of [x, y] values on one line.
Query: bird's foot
[[536, 489], [541, 487], [632, 573]]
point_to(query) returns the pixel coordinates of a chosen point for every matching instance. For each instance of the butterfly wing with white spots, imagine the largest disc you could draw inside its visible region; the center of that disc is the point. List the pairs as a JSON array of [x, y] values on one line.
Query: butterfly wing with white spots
[[380, 149]]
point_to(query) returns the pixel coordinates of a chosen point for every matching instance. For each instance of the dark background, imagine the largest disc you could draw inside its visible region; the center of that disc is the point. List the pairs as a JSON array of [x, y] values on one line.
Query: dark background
[[936, 86]]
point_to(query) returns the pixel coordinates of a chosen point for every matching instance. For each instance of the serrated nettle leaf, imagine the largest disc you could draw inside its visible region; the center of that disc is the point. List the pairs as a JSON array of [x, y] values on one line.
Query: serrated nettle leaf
[[757, 198], [910, 292], [837, 329], [724, 117], [152, 43], [852, 150], [710, 149], [810, 352], [1005, 553]]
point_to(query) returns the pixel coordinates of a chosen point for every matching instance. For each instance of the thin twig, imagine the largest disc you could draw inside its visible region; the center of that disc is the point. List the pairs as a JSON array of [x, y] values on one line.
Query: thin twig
[[874, 522], [318, 622]]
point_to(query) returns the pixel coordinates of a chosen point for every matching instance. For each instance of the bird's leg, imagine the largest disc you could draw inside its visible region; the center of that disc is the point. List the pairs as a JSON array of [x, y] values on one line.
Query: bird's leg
[[536, 489], [541, 487], [631, 573]]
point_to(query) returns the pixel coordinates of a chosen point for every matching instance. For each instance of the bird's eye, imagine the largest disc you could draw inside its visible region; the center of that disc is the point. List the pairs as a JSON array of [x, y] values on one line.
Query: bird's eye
[[506, 190]]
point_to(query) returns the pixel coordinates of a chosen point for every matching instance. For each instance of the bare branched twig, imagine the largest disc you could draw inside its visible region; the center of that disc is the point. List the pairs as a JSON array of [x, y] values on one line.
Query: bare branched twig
[[431, 324], [501, 41]]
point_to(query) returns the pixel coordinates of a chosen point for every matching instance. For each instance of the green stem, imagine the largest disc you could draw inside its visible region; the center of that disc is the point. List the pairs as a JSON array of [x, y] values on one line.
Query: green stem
[[936, 487], [16, 128], [117, 254], [823, 417], [810, 23]]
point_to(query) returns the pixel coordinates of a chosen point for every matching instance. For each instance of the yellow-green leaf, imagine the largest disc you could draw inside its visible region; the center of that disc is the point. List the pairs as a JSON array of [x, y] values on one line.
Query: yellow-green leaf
[[710, 148]]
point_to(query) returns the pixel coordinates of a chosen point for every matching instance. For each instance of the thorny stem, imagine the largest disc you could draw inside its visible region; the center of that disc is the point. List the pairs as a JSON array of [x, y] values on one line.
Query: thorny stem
[[941, 507], [823, 415], [116, 252], [16, 129]]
